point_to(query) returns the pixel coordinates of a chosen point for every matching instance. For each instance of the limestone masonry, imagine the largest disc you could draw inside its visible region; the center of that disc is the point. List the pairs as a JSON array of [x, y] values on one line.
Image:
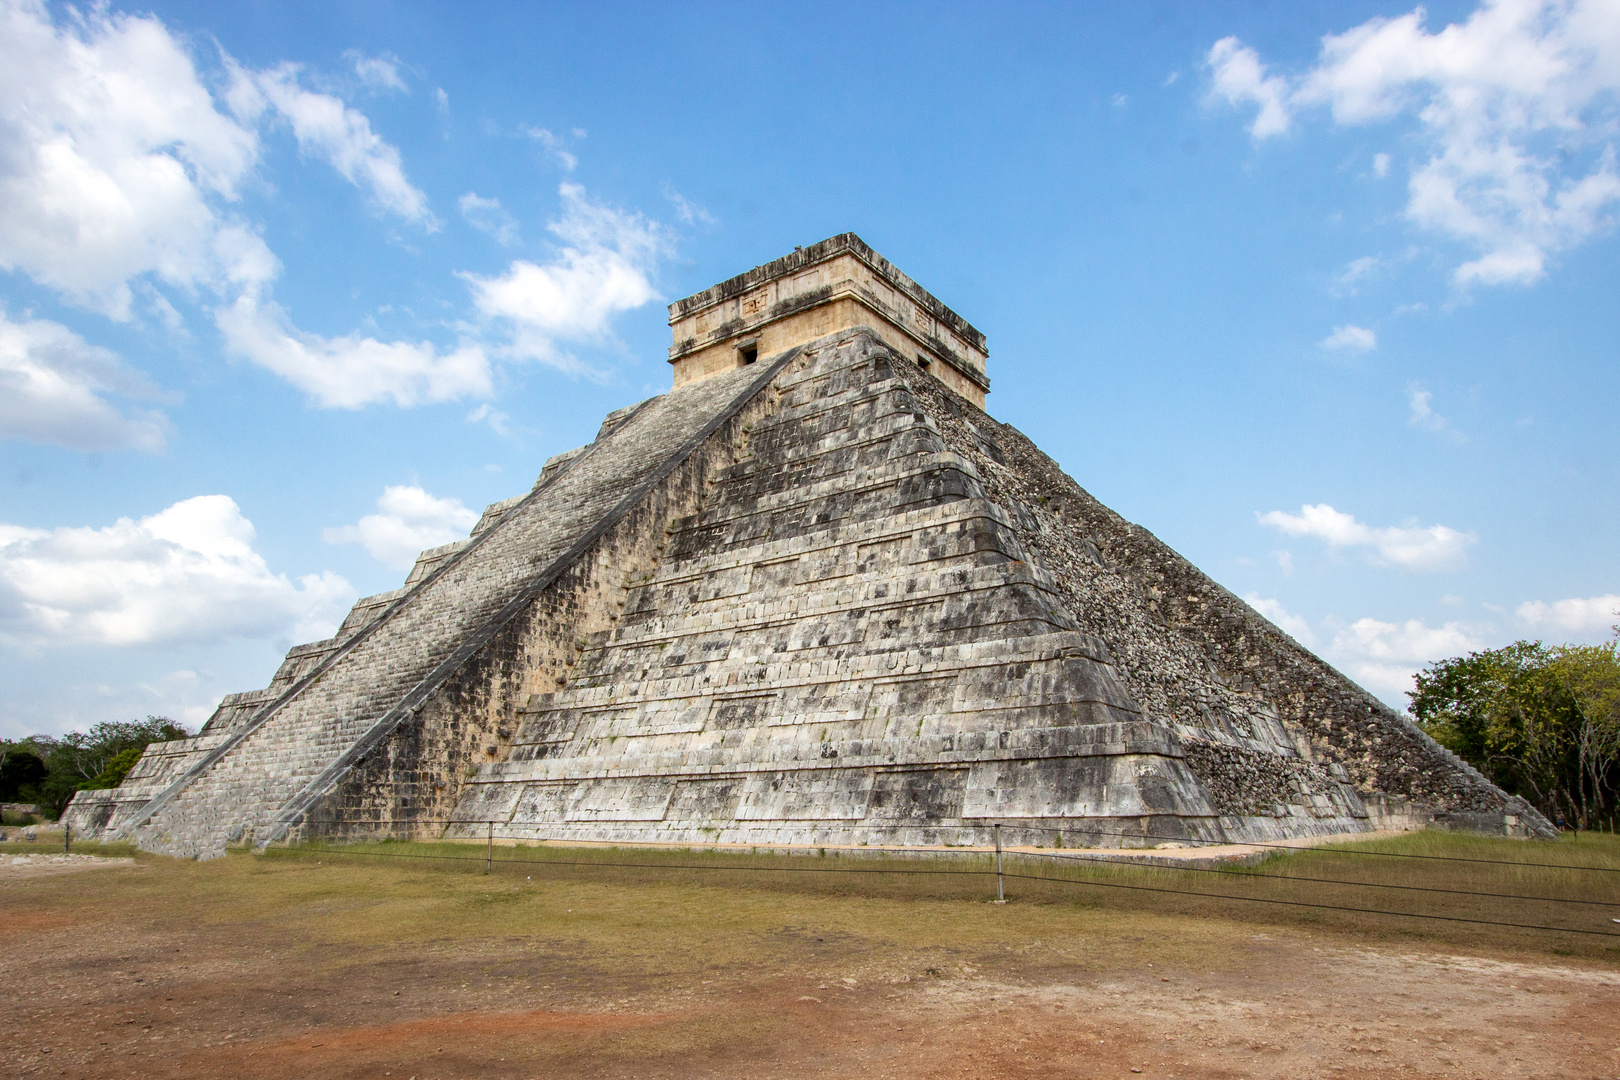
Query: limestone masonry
[[812, 595]]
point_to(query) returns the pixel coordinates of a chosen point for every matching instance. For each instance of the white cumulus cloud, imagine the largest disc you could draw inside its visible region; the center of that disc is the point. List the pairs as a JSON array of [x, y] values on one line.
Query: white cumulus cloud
[[377, 72], [1411, 547], [1295, 626], [352, 371], [1578, 616], [689, 212], [1516, 109], [328, 129], [1239, 78], [118, 169], [601, 269], [54, 387], [410, 521], [114, 162], [186, 574], [1423, 416], [1384, 656], [1421, 413], [488, 216], [179, 695], [555, 145], [1351, 339], [119, 178], [1354, 274], [500, 423]]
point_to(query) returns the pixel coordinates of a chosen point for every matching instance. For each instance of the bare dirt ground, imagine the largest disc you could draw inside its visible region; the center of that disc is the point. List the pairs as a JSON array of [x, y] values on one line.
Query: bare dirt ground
[[250, 967], [23, 866]]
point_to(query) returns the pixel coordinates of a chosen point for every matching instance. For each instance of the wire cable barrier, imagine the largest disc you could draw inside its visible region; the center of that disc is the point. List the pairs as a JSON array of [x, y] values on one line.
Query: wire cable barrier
[[1064, 870], [1049, 830], [1272, 844], [1331, 907], [1331, 881]]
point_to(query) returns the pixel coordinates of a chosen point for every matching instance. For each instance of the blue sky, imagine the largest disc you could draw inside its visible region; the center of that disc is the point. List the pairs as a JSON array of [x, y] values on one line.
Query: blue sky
[[1315, 292]]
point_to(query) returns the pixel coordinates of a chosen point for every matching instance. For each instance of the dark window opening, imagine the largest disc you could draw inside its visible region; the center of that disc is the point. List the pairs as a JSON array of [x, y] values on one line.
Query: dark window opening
[[750, 353], [925, 361]]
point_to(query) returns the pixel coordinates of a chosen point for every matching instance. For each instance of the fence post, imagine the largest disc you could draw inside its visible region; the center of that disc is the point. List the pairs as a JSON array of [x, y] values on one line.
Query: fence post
[[1001, 897], [489, 862], [67, 837]]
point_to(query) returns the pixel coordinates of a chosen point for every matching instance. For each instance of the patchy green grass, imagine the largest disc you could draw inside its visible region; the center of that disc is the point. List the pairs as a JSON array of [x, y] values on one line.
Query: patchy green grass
[[48, 841], [1464, 884], [1444, 888]]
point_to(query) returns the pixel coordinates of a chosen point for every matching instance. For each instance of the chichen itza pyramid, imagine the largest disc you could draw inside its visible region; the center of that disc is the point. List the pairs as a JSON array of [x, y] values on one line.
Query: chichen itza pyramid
[[812, 595]]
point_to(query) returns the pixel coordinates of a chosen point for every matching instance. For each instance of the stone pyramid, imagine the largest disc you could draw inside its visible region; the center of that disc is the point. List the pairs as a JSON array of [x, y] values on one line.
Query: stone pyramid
[[813, 595]]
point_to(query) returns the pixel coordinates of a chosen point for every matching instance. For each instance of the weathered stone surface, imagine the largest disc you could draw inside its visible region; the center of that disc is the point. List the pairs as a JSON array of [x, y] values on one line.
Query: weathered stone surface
[[1212, 667], [847, 643], [402, 677], [819, 290], [820, 598]]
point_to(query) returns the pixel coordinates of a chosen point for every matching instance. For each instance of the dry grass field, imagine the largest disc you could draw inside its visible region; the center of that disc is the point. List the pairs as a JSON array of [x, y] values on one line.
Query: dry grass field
[[564, 962]]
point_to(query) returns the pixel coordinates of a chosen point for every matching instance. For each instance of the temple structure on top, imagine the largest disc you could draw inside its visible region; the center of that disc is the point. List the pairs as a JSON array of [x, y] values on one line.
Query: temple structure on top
[[813, 595], [835, 285]]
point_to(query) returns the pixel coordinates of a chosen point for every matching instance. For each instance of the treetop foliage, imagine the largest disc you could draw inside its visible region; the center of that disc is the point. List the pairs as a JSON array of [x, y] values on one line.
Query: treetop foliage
[[1542, 722], [48, 769]]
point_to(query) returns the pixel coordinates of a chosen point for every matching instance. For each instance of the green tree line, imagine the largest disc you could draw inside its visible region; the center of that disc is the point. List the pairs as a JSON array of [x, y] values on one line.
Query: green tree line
[[1541, 721], [48, 769]]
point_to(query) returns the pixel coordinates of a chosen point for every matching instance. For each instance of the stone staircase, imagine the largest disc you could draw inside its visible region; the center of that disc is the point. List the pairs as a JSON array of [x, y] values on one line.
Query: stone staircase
[[848, 644], [264, 752]]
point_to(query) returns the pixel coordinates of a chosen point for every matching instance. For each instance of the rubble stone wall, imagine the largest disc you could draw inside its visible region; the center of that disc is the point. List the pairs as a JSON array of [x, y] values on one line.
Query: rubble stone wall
[[1195, 654]]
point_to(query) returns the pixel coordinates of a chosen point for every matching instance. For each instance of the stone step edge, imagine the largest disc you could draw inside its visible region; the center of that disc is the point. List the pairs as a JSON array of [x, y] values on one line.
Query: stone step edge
[[1168, 749], [244, 729], [295, 808], [951, 659], [924, 761], [1030, 578], [770, 552]]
